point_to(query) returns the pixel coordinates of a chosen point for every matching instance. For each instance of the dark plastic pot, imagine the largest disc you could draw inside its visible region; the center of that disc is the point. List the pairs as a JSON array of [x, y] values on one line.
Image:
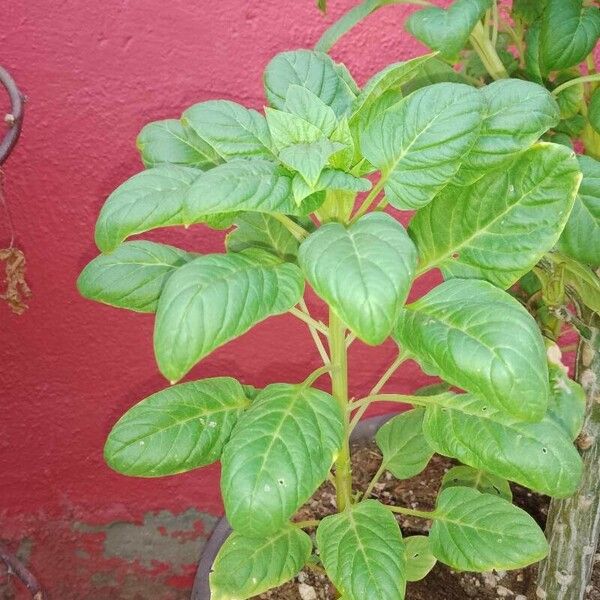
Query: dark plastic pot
[[364, 431]]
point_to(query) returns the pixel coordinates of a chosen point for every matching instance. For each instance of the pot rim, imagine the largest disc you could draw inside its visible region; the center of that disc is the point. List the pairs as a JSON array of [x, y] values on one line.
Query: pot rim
[[364, 431]]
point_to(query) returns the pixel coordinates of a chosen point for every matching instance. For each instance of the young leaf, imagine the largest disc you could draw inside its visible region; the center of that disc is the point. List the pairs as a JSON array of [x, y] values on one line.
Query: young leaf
[[537, 455], [363, 552], [216, 298], [481, 339], [260, 230], [364, 272], [303, 103], [312, 70], [247, 566], [419, 558], [486, 483], [480, 532], [132, 276], [288, 129], [419, 142], [528, 11], [230, 129], [177, 429], [569, 32], [499, 227], [279, 453], [309, 159], [580, 238], [567, 401], [404, 447], [330, 180], [168, 141], [447, 30]]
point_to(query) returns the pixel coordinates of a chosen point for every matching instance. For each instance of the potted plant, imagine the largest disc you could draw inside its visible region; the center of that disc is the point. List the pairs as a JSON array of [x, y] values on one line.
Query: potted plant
[[490, 202]]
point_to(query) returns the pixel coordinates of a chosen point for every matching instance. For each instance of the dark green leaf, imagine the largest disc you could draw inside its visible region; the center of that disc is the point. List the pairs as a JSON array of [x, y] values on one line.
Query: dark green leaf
[[594, 111]]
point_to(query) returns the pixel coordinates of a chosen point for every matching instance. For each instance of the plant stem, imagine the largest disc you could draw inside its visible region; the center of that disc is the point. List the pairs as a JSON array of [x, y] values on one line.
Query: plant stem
[[370, 199], [495, 22], [487, 52], [316, 374], [576, 81], [314, 332], [412, 513], [303, 316], [339, 388], [573, 524], [307, 524], [517, 40], [374, 481], [296, 230]]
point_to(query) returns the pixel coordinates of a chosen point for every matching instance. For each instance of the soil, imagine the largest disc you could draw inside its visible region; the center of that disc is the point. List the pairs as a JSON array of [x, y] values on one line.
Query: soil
[[420, 493]]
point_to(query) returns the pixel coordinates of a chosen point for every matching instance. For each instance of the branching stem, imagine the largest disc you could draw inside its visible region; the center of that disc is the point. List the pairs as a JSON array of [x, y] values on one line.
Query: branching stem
[[412, 513], [370, 199], [576, 81], [296, 230]]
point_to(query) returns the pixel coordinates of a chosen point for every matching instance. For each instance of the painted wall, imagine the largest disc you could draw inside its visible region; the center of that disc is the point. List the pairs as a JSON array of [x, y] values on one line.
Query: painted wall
[[95, 73]]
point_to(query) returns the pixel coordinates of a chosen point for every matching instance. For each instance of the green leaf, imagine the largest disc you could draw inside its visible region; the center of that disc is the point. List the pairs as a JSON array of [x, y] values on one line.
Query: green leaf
[[230, 129], [216, 298], [132, 276], [279, 453], [484, 482], [569, 32], [313, 70], [363, 552], [260, 230], [246, 566], [567, 401], [480, 532], [447, 30], [288, 129], [517, 114], [570, 99], [390, 79], [419, 558], [329, 179], [499, 227], [580, 238], [580, 281], [364, 272], [404, 447], [309, 159], [532, 52], [303, 103], [419, 142], [433, 71], [170, 142], [594, 111], [479, 338], [528, 11], [537, 455], [177, 429]]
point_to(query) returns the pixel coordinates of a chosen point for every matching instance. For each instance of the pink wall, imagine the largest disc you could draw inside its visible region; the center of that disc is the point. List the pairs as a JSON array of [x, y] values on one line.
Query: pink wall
[[95, 73]]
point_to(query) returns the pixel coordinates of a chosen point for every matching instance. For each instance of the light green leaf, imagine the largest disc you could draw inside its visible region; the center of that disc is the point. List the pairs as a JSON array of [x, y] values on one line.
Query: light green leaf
[[480, 532], [343, 159], [330, 179], [246, 566], [364, 272], [404, 447], [288, 129], [479, 338], [486, 483], [301, 102], [230, 129], [580, 281], [447, 30], [313, 70], [363, 552], [537, 455], [279, 453], [132, 276], [569, 32], [177, 429], [260, 230], [567, 401], [580, 238], [216, 298], [170, 142], [309, 159], [419, 558], [499, 227], [419, 142], [391, 78]]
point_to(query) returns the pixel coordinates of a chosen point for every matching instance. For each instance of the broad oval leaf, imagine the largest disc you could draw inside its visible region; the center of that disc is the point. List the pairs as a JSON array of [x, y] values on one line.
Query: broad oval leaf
[[279, 453], [132, 276], [364, 272], [313, 70], [499, 227], [177, 429], [247, 566], [170, 142], [482, 481], [537, 455], [479, 532], [580, 238], [230, 129], [419, 142], [215, 298], [419, 557], [405, 450], [363, 552], [481, 339]]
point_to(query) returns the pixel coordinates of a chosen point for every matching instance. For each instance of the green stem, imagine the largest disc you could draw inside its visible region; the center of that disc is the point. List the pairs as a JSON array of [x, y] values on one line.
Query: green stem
[[314, 332], [412, 513], [370, 199], [307, 524], [300, 314], [316, 374], [374, 481], [576, 81], [397, 398], [487, 52], [339, 388], [517, 40], [296, 230], [495, 22]]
